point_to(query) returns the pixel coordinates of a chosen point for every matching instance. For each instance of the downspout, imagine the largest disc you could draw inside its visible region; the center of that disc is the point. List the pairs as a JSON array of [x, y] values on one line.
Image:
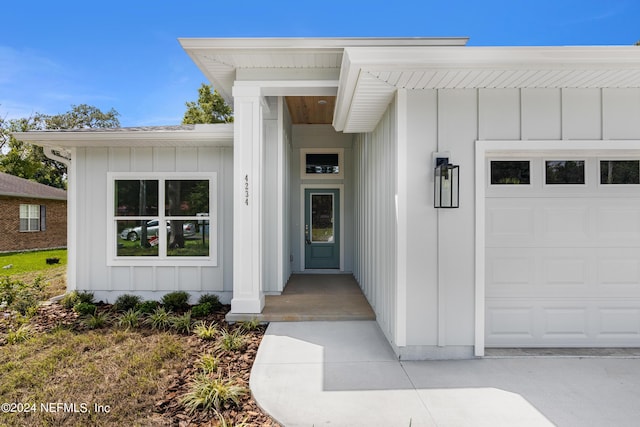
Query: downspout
[[48, 151]]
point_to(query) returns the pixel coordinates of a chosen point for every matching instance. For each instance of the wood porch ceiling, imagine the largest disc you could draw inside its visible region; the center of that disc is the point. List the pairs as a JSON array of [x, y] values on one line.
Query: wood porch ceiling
[[316, 110]]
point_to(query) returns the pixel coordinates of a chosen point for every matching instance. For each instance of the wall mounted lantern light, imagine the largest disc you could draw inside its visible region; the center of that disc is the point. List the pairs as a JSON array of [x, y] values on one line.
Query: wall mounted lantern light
[[446, 188]]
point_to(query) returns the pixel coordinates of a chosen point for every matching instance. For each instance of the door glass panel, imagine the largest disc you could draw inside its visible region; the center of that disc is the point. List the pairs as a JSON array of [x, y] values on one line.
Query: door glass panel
[[564, 172], [322, 218], [619, 172], [509, 172]]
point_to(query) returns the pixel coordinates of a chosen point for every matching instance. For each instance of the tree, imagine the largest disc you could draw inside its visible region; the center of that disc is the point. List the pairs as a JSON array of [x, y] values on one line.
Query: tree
[[28, 161], [210, 108]]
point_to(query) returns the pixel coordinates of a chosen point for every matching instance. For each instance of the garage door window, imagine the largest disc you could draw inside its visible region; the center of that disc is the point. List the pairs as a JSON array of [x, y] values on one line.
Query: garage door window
[[619, 172], [510, 172], [564, 172]]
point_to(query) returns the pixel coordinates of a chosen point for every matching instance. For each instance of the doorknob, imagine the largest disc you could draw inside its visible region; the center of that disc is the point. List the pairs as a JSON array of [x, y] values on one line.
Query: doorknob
[[306, 234]]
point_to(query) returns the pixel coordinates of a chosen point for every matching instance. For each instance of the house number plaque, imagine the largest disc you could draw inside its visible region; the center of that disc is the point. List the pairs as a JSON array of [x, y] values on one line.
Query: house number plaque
[[246, 190]]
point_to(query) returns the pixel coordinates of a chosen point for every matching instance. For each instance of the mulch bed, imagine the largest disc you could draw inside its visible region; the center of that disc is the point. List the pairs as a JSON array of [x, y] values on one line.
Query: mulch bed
[[168, 409]]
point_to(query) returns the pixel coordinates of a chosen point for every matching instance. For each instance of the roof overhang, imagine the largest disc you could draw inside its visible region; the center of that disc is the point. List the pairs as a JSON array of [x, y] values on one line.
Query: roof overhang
[[201, 135], [225, 61], [370, 76]]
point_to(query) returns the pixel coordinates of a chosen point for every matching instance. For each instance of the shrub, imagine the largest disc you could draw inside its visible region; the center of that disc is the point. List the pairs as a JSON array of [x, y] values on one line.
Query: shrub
[[201, 310], [22, 334], [86, 297], [70, 299], [250, 325], [20, 296], [211, 299], [211, 393], [147, 307], [129, 319], [204, 331], [233, 341], [84, 308], [181, 324], [208, 363], [159, 319], [97, 320], [176, 301], [126, 302]]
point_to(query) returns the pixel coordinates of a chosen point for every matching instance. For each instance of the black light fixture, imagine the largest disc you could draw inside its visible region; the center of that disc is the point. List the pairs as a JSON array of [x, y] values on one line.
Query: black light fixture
[[446, 180]]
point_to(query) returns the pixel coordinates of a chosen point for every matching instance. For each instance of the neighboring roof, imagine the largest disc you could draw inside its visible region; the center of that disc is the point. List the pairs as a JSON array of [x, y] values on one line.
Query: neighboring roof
[[14, 186], [219, 134]]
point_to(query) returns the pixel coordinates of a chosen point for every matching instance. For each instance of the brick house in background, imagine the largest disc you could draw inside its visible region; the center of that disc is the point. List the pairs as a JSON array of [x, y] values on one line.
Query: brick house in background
[[32, 215]]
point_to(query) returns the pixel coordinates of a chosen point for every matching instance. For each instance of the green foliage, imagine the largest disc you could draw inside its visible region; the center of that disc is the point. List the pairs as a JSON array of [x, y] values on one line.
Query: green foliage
[[211, 299], [204, 331], [85, 308], [28, 161], [208, 363], [20, 296], [212, 393], [233, 341], [126, 302], [210, 108], [159, 319], [147, 307], [97, 320], [250, 325], [201, 310], [70, 299], [22, 334], [176, 301], [181, 324], [86, 297], [129, 319]]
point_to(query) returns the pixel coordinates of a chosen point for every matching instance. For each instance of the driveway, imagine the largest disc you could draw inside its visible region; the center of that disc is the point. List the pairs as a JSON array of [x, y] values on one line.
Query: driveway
[[345, 374]]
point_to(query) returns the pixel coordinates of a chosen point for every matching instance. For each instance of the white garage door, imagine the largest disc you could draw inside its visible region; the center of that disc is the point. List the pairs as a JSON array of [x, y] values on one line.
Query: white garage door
[[562, 251]]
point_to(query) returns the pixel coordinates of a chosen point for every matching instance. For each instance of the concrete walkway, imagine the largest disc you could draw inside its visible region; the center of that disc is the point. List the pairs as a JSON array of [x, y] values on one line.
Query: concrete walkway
[[345, 374]]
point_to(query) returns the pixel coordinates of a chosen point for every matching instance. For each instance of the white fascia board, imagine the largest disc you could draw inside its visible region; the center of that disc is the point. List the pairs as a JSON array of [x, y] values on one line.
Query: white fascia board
[[315, 43], [348, 81], [442, 57], [212, 135], [288, 87]]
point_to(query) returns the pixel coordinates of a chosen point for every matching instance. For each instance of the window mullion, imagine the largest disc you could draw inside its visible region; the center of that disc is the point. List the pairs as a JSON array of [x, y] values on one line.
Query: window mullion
[[162, 223]]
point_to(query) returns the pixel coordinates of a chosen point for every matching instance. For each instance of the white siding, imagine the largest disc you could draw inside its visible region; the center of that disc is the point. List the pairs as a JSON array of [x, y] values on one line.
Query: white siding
[[374, 211], [151, 282], [440, 244]]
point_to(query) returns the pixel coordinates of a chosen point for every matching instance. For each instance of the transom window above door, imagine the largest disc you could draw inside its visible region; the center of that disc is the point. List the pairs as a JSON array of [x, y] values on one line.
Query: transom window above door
[[322, 163]]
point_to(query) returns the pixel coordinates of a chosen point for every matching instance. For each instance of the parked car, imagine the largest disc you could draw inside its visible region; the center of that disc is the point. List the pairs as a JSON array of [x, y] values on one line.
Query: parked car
[[133, 234]]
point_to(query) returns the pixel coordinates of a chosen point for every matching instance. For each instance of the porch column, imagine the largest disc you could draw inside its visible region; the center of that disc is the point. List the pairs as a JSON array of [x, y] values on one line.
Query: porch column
[[248, 296]]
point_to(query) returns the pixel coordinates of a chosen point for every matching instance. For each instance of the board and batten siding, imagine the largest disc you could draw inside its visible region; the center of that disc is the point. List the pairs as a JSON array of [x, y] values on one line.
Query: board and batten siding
[[91, 166], [440, 243], [374, 233]]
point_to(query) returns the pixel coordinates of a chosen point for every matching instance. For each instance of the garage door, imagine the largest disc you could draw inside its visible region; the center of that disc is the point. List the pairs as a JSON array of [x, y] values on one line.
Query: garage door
[[562, 251]]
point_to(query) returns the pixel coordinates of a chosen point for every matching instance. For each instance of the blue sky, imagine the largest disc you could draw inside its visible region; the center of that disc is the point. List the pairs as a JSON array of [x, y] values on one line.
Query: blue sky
[[125, 54]]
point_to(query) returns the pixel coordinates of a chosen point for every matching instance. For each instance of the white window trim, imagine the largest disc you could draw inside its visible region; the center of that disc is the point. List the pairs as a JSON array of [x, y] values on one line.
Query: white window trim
[[29, 218], [303, 163], [162, 259]]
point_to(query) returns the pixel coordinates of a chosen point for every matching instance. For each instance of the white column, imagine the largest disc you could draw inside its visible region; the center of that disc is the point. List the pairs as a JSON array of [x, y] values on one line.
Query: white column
[[248, 296]]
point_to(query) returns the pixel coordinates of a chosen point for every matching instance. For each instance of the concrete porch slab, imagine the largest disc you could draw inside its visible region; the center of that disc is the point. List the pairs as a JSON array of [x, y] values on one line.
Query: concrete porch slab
[[313, 297]]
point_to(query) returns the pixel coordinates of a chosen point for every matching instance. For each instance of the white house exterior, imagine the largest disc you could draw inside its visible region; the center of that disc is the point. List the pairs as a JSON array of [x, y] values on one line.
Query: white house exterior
[[543, 251]]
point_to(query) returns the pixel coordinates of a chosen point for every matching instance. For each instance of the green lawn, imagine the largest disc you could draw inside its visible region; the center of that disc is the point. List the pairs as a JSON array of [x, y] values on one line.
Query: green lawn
[[27, 262]]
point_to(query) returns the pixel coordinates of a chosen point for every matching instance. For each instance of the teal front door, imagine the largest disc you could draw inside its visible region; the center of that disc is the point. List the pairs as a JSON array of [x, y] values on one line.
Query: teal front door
[[322, 228]]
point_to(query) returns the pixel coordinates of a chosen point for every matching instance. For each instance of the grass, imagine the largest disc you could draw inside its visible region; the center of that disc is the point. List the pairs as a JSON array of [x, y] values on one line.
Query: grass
[[28, 266], [121, 370], [28, 262]]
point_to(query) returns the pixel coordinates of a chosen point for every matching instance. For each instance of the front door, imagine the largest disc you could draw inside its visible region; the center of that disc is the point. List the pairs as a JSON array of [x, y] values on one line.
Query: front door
[[322, 228]]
